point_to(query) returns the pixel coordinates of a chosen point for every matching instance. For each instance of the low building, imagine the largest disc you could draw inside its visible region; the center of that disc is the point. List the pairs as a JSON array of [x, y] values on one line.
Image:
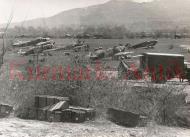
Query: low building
[[162, 66]]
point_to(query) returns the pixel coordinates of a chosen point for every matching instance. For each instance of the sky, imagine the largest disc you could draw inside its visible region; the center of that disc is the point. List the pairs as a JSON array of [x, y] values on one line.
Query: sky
[[29, 9]]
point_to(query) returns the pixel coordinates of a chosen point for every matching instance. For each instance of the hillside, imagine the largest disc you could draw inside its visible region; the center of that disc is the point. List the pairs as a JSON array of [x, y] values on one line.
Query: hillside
[[136, 16]]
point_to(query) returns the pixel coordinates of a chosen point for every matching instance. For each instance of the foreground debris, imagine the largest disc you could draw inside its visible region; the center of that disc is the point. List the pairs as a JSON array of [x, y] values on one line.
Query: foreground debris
[[125, 118], [164, 107], [183, 116], [5, 110]]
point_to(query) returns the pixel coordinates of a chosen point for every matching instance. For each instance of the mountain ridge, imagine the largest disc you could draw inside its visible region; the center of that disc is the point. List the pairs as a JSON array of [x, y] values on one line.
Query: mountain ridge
[[136, 16]]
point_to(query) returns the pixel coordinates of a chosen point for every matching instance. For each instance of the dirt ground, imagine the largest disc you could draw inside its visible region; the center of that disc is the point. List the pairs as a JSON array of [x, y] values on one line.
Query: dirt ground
[[14, 127]]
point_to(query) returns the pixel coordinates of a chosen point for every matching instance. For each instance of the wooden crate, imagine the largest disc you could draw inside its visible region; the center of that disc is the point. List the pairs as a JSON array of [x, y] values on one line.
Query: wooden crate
[[78, 116], [36, 101], [55, 116], [66, 115], [59, 106], [46, 100], [57, 99], [90, 113], [50, 100], [42, 101], [71, 115], [32, 113], [41, 114]]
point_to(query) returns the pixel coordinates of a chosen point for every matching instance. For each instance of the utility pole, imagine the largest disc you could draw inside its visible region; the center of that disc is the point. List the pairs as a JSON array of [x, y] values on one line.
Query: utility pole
[[3, 52]]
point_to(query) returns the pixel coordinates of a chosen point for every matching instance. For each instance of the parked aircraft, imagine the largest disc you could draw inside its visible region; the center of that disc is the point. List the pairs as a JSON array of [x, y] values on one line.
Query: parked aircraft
[[146, 45], [98, 54], [77, 46], [38, 49], [186, 48], [114, 52], [30, 42], [120, 48], [84, 47], [121, 55]]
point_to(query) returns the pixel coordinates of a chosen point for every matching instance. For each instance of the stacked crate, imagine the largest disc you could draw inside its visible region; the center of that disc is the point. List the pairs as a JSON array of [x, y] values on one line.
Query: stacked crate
[[71, 115], [44, 101], [57, 109], [89, 112]]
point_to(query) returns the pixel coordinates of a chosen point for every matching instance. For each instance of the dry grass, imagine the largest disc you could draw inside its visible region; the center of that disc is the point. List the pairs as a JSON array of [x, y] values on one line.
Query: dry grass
[[94, 93]]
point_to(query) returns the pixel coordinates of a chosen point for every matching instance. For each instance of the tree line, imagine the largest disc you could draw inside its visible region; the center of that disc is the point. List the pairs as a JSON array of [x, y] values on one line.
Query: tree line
[[97, 32]]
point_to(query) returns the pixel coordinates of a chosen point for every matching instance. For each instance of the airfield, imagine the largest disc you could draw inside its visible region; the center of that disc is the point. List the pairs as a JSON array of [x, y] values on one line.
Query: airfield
[[99, 127], [164, 45]]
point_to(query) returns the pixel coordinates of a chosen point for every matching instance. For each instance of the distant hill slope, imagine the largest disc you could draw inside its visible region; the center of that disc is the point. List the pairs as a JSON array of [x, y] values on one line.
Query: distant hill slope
[[135, 16]]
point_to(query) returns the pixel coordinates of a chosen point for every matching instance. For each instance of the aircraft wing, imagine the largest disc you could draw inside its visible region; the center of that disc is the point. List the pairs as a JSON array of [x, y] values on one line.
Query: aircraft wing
[[123, 53], [55, 49], [146, 44], [33, 42]]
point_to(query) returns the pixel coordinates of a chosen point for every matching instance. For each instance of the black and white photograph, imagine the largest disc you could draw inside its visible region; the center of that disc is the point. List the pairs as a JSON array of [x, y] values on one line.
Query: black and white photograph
[[94, 68]]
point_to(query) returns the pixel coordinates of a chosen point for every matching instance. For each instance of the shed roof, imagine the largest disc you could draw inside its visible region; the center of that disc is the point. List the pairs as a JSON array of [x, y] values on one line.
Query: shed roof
[[164, 54]]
